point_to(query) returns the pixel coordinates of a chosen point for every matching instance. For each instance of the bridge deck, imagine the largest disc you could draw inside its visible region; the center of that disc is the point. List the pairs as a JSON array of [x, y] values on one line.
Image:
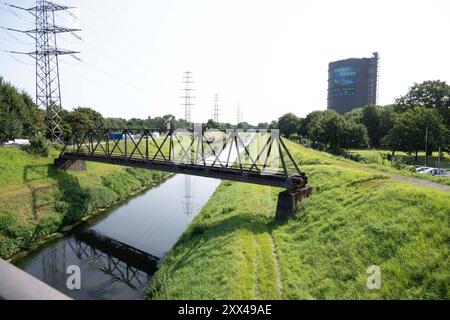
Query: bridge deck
[[251, 157], [234, 174]]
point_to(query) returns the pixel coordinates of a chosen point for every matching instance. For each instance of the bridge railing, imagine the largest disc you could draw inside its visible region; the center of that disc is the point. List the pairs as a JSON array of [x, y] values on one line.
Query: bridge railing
[[252, 151]]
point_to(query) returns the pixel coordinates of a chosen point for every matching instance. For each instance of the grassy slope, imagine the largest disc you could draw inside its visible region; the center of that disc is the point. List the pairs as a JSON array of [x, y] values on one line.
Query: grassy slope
[[354, 219], [36, 199]]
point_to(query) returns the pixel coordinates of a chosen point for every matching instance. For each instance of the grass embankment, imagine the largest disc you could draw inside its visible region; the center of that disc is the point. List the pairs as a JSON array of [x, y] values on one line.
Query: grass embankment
[[37, 200], [355, 218]]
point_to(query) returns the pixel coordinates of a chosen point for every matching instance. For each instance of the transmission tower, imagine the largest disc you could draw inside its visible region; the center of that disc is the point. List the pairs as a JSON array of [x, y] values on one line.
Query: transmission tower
[[187, 95], [188, 201], [238, 114], [216, 108], [48, 91]]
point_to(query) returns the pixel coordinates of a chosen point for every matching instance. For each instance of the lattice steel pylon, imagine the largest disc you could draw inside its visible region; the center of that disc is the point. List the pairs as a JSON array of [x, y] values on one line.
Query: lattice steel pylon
[[48, 91], [238, 114], [216, 108], [187, 95]]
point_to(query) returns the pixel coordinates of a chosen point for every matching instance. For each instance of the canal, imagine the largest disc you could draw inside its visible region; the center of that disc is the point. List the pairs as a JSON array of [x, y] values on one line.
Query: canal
[[119, 250]]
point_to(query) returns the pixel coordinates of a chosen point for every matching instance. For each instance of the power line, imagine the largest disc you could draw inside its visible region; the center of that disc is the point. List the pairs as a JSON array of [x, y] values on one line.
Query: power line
[[15, 41], [16, 59], [17, 15], [107, 55], [107, 73]]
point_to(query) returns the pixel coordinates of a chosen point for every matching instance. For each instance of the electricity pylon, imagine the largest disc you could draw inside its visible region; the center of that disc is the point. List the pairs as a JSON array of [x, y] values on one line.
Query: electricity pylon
[[216, 108], [238, 114], [187, 95], [48, 91]]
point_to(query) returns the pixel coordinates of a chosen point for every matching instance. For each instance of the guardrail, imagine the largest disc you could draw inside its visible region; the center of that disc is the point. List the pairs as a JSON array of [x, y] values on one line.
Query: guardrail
[[16, 284]]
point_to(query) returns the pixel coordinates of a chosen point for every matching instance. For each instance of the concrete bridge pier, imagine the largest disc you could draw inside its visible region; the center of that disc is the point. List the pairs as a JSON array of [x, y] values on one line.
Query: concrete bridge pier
[[70, 164], [288, 202], [288, 199]]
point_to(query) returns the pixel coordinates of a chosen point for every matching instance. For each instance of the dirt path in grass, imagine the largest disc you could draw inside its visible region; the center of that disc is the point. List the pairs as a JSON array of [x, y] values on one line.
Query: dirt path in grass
[[402, 178], [420, 182]]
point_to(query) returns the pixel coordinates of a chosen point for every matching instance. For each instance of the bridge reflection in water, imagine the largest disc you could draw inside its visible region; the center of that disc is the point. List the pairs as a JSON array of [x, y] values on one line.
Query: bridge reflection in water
[[109, 268]]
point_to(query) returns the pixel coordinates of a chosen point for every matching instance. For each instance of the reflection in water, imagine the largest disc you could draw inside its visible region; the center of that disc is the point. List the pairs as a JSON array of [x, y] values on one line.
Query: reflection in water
[[109, 269], [54, 264], [118, 260], [188, 197], [154, 221]]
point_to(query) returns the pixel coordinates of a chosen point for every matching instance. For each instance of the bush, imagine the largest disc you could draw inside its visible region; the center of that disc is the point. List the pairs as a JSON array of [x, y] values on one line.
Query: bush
[[48, 224], [39, 146], [144, 176], [121, 183], [100, 197], [16, 234]]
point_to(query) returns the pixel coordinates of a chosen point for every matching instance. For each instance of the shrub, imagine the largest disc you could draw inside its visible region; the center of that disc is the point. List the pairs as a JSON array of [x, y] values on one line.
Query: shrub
[[100, 197], [144, 176], [7, 247], [121, 183], [48, 224], [38, 146]]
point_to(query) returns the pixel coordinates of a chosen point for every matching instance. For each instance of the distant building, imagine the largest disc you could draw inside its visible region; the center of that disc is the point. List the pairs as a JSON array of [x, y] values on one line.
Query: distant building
[[352, 83]]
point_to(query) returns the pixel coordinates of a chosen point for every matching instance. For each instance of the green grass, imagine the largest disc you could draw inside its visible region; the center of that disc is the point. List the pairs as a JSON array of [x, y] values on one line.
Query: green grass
[[355, 218], [37, 200]]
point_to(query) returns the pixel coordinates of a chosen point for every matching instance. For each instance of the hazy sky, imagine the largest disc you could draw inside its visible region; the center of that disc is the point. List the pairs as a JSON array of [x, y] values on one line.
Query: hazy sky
[[270, 56]]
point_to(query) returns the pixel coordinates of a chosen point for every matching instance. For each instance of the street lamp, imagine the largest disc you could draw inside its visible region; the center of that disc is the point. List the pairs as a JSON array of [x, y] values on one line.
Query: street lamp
[[445, 100]]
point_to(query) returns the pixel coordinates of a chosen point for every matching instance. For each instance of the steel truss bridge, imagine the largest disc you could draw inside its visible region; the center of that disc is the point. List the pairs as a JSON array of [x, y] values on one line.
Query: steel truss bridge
[[254, 156]]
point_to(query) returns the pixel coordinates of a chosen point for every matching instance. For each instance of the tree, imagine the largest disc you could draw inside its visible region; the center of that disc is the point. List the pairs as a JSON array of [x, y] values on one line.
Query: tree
[[243, 125], [288, 124], [410, 128], [95, 117], [211, 124], [19, 116], [115, 123], [333, 132], [355, 134], [312, 117], [273, 125], [429, 94], [377, 120], [82, 118], [78, 120], [263, 125]]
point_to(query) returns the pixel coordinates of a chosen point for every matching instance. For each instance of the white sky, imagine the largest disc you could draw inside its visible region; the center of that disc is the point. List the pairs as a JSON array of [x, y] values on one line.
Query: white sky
[[270, 56]]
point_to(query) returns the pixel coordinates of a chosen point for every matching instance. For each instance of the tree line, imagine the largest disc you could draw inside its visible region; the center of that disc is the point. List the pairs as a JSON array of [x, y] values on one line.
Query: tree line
[[420, 117]]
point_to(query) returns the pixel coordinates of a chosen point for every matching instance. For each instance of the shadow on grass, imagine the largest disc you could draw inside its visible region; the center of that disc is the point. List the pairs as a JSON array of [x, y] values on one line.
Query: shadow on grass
[[219, 233], [70, 198]]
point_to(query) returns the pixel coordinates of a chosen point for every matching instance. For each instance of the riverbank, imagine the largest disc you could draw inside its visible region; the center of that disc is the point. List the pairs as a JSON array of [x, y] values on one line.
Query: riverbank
[[357, 217], [39, 203]]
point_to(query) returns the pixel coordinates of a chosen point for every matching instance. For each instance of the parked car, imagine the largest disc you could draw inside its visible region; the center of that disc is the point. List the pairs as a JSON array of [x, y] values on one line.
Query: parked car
[[434, 171], [420, 169]]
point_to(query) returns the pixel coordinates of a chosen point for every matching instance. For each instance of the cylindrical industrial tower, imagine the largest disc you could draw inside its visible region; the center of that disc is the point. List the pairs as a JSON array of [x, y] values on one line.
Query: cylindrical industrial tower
[[352, 83]]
